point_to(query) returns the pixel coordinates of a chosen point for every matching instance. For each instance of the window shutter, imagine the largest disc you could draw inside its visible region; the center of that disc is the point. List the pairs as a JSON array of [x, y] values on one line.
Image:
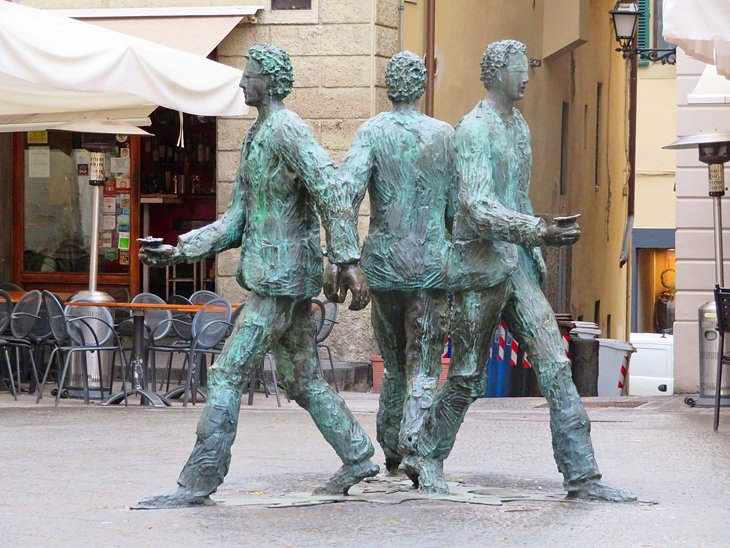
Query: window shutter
[[643, 31]]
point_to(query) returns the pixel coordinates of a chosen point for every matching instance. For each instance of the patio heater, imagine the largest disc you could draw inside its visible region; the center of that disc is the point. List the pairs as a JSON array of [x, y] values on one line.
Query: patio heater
[[96, 181], [714, 150]]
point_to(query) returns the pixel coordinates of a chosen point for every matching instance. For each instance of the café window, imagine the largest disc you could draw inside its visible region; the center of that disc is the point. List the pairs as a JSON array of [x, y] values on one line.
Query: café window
[[57, 203]]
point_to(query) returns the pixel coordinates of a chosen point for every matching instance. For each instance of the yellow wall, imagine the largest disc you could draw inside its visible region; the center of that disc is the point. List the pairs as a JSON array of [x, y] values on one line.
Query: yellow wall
[[655, 127], [462, 33]]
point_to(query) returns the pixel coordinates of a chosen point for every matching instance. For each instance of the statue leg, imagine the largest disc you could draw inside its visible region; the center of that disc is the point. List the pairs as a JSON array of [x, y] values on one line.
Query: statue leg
[[300, 370], [262, 321], [475, 316], [533, 323], [425, 323], [388, 319]]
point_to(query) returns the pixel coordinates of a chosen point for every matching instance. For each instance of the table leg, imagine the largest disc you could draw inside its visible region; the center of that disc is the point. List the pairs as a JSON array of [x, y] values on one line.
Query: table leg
[[137, 363]]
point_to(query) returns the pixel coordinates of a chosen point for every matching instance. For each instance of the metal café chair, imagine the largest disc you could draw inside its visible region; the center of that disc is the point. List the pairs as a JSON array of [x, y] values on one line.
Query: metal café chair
[[157, 322], [88, 330], [10, 286], [722, 306], [181, 323], [210, 326], [204, 296], [6, 310], [324, 316], [25, 314]]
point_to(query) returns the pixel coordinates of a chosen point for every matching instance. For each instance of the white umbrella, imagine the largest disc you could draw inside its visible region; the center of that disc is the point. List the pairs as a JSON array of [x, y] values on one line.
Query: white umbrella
[[701, 28], [56, 71]]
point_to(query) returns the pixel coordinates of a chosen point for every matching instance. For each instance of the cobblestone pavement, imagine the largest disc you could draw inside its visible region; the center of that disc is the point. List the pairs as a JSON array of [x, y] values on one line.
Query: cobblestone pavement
[[69, 476]]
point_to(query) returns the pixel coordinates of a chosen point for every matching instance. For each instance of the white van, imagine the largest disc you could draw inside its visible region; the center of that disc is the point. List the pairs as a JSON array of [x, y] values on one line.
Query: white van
[[651, 370]]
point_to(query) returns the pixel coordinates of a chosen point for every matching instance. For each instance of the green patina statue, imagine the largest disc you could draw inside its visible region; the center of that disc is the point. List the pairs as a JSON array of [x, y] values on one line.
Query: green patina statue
[[405, 160], [496, 271], [283, 180]]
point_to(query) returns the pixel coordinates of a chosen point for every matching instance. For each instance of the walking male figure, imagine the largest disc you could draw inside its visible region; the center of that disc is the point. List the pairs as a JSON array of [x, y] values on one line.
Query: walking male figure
[[283, 179], [497, 271], [404, 158]]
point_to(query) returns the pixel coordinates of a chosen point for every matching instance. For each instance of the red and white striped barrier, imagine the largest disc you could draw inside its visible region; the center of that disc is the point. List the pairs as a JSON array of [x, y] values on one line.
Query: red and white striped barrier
[[515, 347]]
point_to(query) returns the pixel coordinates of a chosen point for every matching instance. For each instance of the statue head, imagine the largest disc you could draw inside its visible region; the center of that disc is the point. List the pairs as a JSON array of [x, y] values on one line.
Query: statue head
[[502, 55], [268, 67], [405, 77]]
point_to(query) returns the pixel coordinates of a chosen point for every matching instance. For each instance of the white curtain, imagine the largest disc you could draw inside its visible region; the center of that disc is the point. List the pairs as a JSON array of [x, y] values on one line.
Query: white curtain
[[701, 28]]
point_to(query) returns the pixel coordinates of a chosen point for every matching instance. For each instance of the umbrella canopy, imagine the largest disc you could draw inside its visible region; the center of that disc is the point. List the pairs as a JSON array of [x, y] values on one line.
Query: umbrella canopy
[[59, 73], [701, 28]]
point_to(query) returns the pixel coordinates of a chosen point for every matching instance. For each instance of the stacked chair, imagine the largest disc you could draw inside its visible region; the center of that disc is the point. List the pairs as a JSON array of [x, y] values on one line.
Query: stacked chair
[[24, 318], [84, 330]]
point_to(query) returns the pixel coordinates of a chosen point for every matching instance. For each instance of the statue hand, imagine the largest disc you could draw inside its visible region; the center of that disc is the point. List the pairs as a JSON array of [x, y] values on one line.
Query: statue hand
[[332, 282], [561, 235], [353, 278], [159, 256]]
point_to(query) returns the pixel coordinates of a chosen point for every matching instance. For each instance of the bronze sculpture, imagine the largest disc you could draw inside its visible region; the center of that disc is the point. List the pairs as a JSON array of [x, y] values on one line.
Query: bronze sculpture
[[405, 160], [284, 179], [497, 269]]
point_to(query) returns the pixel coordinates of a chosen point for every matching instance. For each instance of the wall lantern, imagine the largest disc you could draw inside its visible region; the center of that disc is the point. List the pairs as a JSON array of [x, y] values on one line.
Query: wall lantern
[[625, 16]]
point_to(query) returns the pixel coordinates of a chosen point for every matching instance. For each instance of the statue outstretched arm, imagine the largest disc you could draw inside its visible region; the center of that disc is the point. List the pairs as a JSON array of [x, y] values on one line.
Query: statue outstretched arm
[[225, 233], [477, 198]]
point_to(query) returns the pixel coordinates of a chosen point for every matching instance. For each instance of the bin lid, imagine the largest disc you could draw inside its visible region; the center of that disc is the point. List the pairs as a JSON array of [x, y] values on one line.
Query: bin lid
[[616, 345]]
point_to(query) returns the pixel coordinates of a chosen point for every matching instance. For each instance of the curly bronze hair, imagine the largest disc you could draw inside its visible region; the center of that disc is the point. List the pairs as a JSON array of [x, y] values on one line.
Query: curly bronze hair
[[496, 57], [405, 77], [275, 62]]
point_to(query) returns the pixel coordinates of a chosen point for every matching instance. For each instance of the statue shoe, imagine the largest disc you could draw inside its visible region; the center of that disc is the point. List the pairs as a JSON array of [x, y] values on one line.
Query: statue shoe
[[347, 476]]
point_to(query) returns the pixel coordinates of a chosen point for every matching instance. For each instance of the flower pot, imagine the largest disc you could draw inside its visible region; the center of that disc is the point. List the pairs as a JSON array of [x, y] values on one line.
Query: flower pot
[[379, 371]]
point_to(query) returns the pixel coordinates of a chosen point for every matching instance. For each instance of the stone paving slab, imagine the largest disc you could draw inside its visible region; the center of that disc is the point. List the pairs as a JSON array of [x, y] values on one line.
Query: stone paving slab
[[70, 475]]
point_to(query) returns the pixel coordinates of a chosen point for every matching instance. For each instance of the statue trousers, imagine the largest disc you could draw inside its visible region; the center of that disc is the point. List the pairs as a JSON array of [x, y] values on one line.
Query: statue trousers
[[285, 326], [520, 301], [410, 328]]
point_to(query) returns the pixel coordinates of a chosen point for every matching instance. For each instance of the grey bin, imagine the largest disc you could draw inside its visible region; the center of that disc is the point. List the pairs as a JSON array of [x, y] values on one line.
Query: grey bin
[[708, 359]]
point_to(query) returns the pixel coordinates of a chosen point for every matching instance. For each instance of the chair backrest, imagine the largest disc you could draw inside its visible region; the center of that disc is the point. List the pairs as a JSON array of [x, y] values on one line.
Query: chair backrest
[[25, 314], [181, 321], [157, 320], [235, 315], [10, 286], [6, 310], [89, 325], [203, 296], [317, 315], [120, 294], [56, 318], [722, 304], [329, 319], [41, 330], [210, 325]]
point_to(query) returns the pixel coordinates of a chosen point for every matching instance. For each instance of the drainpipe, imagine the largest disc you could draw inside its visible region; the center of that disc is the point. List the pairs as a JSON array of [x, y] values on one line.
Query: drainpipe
[[625, 246], [430, 54]]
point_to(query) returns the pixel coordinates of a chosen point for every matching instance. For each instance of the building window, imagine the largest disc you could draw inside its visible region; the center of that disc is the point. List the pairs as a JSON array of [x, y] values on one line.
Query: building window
[[597, 312], [57, 202], [291, 4], [564, 145]]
